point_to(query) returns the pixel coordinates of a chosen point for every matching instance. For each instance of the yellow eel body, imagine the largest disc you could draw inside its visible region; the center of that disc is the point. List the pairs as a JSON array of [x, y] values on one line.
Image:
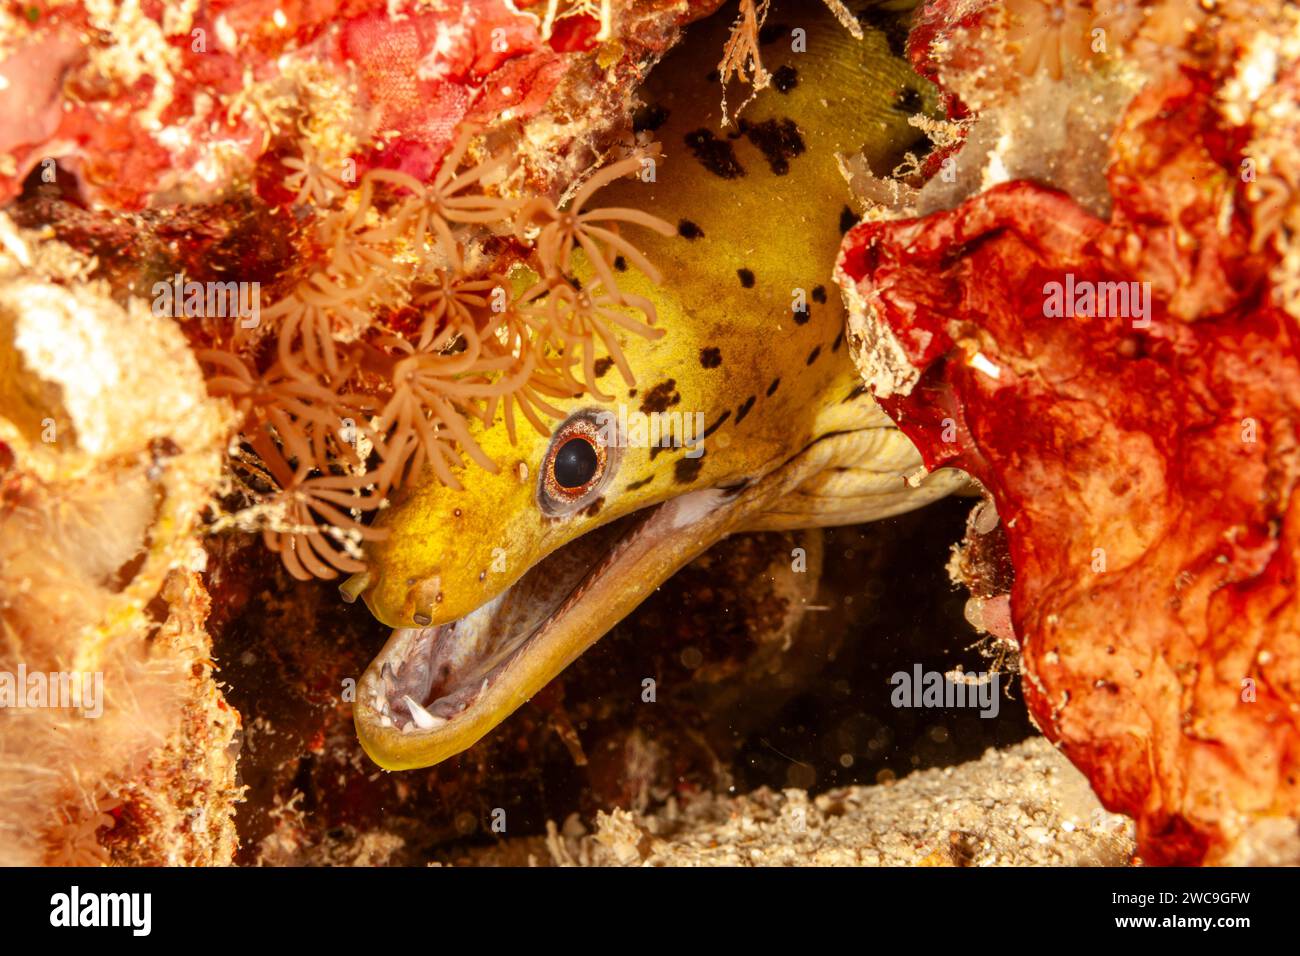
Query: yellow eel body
[[495, 589]]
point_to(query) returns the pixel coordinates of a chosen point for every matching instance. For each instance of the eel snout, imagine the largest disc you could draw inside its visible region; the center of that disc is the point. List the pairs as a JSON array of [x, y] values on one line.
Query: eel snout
[[434, 691]]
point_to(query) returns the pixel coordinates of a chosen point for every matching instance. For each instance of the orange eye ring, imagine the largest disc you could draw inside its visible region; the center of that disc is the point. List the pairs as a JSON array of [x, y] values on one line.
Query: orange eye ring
[[577, 463]]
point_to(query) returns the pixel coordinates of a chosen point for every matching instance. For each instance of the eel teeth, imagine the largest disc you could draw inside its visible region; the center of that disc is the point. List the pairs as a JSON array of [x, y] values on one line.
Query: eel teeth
[[423, 719]]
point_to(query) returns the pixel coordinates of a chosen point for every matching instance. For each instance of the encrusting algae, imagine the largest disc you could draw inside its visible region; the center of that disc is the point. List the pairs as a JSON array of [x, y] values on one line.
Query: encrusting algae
[[107, 468]]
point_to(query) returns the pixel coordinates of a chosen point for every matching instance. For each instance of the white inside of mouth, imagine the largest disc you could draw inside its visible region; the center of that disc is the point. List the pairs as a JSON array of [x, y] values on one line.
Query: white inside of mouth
[[430, 676]]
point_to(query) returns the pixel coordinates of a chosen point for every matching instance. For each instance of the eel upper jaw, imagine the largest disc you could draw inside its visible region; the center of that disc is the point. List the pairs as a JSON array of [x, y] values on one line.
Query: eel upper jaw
[[433, 692]]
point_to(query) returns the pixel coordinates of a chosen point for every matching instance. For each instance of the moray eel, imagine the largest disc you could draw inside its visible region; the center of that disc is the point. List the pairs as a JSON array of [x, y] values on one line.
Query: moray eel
[[495, 589]]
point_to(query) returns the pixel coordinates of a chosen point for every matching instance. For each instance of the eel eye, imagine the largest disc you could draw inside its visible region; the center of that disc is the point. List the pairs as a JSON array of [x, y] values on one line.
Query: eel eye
[[577, 464]]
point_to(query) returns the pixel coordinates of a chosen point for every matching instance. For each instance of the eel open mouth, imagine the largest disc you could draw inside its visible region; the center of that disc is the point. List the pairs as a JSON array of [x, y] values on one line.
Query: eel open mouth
[[440, 671], [435, 691]]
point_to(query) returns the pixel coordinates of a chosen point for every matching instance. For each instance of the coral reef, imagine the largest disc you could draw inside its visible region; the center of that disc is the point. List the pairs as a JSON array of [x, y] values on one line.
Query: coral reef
[[314, 151], [368, 232], [390, 312], [480, 349], [206, 94], [106, 471], [1140, 451]]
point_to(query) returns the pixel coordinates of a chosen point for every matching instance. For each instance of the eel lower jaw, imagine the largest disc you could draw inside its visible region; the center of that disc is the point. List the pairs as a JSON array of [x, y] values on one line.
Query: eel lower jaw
[[433, 692]]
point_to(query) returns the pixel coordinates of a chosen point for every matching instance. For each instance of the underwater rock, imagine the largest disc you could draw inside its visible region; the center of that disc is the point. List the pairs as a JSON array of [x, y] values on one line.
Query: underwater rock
[[105, 468], [1127, 389], [154, 104]]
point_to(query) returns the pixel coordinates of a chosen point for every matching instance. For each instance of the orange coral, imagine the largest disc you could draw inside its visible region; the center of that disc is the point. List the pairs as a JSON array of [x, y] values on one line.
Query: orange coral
[[575, 318], [573, 228], [1048, 34], [740, 57], [351, 407]]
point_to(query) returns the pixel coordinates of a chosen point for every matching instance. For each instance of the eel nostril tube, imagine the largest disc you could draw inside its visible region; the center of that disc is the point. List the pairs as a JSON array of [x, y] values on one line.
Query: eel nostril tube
[[353, 586]]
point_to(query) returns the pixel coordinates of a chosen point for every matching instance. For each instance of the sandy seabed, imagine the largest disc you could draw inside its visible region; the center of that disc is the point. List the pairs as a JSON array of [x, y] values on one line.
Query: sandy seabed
[[1023, 805]]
